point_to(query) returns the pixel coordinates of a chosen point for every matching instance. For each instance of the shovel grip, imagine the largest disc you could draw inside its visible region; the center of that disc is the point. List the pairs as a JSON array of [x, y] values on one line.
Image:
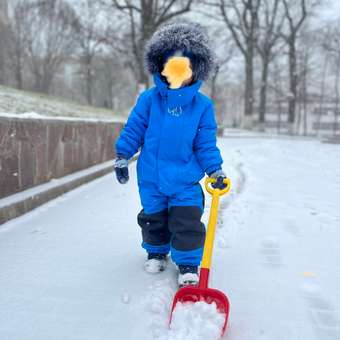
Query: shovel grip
[[213, 191]]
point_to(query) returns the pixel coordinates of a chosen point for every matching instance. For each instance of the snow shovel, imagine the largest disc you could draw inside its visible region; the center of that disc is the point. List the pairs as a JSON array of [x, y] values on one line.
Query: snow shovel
[[202, 292]]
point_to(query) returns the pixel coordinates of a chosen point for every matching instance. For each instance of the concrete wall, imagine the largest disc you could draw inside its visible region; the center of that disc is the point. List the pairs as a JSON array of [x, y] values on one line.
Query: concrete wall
[[33, 151]]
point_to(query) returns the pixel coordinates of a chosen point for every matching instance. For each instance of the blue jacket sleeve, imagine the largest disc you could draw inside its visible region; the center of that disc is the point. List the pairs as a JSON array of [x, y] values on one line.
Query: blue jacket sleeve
[[132, 136], [206, 151]]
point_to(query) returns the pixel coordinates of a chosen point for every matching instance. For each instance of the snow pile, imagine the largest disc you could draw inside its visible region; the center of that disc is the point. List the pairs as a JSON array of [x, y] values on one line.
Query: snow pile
[[196, 321]]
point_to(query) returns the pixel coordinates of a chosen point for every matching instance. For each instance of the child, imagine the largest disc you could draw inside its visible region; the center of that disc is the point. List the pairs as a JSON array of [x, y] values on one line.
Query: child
[[174, 125]]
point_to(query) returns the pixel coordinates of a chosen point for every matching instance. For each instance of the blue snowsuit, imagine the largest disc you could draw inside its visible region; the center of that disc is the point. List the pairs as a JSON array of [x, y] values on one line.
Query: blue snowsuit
[[176, 131]]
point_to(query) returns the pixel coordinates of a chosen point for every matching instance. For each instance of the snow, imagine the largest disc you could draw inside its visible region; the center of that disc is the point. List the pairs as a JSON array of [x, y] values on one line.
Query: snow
[[34, 115], [17, 102], [126, 297], [73, 268], [196, 321], [53, 183]]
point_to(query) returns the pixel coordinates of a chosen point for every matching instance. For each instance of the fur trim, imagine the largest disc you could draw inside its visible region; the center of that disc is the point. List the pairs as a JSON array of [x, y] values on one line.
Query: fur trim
[[187, 37]]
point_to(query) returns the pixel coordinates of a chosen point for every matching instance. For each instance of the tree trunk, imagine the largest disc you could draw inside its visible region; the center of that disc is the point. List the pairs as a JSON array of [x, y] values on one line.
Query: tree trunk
[[279, 117], [2, 58], [18, 76], [249, 92], [263, 91], [292, 82], [322, 95], [143, 80], [305, 93], [18, 68], [305, 102], [337, 95], [213, 94], [46, 83], [278, 88], [89, 84], [298, 120]]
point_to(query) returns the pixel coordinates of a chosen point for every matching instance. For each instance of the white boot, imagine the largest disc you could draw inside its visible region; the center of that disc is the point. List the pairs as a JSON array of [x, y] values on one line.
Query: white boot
[[155, 263], [188, 279], [188, 276]]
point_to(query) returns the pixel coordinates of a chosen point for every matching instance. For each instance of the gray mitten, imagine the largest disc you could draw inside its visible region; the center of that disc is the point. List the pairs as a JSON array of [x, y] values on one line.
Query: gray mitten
[[220, 176], [121, 169]]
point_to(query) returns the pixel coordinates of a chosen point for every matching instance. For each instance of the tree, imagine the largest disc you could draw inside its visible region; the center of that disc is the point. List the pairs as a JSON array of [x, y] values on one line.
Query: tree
[[278, 93], [303, 75], [92, 37], [52, 29], [295, 14], [326, 55], [225, 53], [332, 47], [144, 17], [271, 20], [4, 52], [241, 18], [4, 39], [19, 26]]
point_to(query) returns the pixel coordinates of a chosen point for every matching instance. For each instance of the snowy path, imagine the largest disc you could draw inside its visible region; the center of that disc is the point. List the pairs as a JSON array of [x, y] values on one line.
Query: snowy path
[[72, 269]]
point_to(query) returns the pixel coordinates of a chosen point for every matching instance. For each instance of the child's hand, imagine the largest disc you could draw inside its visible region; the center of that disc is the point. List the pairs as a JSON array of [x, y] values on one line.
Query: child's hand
[[220, 176], [121, 169]]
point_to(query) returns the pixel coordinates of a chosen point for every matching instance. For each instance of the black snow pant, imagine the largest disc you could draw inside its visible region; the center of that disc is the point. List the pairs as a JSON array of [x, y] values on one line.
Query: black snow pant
[[177, 229]]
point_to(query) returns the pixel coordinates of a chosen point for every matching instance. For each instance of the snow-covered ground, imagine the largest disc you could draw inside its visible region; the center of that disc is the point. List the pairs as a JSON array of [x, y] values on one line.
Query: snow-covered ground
[[72, 269], [27, 104], [34, 115]]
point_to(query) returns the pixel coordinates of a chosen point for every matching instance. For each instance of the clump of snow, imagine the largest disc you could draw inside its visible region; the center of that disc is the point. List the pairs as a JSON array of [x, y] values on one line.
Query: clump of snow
[[196, 321], [126, 297], [270, 242], [222, 243]]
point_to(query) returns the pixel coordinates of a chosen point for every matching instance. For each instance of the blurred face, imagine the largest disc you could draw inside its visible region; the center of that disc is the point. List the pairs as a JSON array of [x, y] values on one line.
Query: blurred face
[[178, 71]]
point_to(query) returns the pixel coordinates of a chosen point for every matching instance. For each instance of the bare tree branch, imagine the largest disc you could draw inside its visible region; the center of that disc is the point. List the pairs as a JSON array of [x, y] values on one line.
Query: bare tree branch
[[144, 19]]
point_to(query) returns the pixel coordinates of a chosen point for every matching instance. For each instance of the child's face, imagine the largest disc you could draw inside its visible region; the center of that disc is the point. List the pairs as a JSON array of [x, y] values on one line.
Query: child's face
[[178, 72]]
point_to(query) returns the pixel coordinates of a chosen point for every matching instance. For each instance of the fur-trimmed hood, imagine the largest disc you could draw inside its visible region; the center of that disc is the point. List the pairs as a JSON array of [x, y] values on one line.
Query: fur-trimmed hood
[[187, 37]]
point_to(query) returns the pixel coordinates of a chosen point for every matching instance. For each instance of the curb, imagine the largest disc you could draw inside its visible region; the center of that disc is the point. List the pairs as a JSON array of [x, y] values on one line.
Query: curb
[[23, 202]]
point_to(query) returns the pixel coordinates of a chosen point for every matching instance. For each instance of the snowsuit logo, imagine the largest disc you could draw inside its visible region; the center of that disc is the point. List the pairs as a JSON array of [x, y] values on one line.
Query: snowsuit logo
[[176, 111]]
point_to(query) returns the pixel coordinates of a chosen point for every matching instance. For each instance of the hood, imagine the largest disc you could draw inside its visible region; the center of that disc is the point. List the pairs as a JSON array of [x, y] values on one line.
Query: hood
[[176, 97], [187, 37]]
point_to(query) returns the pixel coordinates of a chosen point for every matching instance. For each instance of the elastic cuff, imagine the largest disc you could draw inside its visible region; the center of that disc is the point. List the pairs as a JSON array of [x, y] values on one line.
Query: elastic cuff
[[210, 171], [162, 249], [187, 257], [120, 155]]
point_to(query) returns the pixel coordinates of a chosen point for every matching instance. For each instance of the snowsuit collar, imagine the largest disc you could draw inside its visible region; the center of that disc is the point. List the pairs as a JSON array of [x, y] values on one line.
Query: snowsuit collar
[[177, 97]]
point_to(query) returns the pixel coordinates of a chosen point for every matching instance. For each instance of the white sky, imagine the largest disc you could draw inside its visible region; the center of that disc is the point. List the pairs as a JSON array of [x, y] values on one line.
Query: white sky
[[331, 10]]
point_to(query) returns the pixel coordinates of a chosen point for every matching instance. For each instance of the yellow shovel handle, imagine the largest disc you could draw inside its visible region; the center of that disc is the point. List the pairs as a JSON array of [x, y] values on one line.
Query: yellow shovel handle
[[210, 235]]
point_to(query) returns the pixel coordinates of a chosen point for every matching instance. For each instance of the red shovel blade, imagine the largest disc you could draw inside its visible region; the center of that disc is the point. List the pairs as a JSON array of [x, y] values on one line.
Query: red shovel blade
[[208, 295]]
